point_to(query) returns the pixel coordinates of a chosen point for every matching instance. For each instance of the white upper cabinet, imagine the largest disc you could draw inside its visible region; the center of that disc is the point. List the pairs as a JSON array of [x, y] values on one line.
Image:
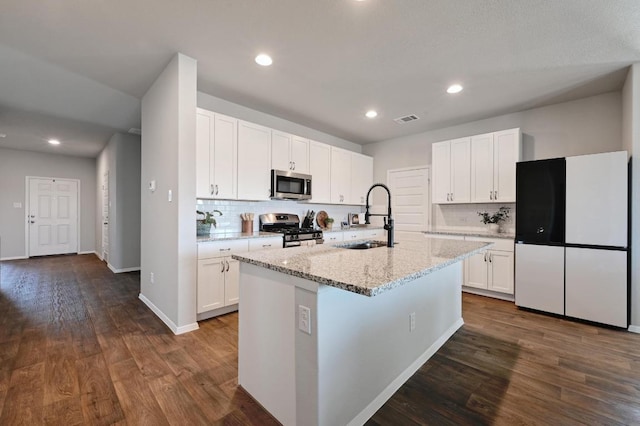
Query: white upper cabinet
[[340, 176], [300, 154], [451, 171], [361, 177], [320, 171], [289, 152], [254, 161], [280, 148], [216, 155], [493, 166]]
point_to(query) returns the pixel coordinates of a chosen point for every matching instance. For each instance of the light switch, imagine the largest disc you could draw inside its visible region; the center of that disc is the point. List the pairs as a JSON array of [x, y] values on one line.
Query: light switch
[[152, 186]]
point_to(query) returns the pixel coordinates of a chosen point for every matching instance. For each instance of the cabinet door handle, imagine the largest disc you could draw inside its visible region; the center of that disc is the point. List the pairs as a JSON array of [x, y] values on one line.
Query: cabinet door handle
[[485, 256], [294, 165], [490, 260], [212, 190], [452, 196], [491, 195], [290, 166], [222, 263], [495, 195], [227, 265]]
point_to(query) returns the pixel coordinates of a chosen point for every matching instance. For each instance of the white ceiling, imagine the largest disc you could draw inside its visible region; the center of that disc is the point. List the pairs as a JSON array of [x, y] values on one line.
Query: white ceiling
[[86, 64]]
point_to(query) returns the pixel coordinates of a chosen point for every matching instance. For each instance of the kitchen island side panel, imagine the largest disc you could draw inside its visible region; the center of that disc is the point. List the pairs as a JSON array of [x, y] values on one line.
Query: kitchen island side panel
[[366, 349]]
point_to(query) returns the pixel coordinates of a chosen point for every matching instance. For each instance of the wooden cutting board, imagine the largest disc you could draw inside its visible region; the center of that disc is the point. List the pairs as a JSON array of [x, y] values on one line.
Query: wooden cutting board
[[320, 219]]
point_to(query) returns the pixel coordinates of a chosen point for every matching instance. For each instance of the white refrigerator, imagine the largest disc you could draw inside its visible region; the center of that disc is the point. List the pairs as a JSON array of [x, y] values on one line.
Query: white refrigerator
[[571, 237]]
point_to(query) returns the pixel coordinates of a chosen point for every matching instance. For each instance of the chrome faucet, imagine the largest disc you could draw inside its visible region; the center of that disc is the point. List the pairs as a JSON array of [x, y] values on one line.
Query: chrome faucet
[[388, 220]]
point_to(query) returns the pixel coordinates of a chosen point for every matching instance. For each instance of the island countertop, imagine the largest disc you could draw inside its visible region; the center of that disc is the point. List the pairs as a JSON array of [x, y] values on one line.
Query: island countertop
[[367, 272]]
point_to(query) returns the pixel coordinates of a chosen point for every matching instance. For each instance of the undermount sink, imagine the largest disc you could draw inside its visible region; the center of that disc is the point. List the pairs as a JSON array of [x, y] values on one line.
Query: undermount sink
[[364, 245]]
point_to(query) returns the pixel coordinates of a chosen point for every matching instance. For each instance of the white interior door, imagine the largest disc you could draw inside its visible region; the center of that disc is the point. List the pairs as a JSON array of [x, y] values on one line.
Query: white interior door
[[410, 200], [53, 216], [105, 217]]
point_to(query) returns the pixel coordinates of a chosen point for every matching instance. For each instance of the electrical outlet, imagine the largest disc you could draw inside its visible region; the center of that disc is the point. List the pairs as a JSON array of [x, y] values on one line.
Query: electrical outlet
[[304, 319], [151, 277], [412, 321]]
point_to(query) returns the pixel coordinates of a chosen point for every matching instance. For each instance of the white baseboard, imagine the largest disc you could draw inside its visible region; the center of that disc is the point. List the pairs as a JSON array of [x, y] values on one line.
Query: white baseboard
[[13, 258], [165, 319], [388, 392], [634, 328], [487, 293], [88, 252], [119, 271]]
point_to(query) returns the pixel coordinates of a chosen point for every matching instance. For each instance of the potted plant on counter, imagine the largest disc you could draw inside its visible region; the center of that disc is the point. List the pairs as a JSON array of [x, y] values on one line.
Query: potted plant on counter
[[328, 223], [496, 219], [203, 224]]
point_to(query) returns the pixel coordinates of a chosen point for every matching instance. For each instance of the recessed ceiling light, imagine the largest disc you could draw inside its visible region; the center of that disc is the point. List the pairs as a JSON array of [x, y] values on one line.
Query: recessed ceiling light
[[454, 88], [371, 114], [264, 60], [54, 142]]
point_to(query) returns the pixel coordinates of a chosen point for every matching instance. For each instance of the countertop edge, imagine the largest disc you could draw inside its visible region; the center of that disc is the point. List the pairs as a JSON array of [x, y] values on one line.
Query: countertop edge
[[370, 292], [475, 234]]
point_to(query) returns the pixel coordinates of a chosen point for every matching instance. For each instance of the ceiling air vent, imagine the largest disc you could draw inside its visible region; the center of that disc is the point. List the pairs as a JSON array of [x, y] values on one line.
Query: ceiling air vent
[[406, 119]]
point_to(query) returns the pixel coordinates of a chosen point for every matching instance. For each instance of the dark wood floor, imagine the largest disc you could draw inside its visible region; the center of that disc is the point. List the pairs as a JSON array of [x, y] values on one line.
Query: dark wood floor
[[78, 347]]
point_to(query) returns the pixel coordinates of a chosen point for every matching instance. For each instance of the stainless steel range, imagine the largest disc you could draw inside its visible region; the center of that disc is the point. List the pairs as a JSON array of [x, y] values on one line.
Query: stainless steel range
[[289, 225]]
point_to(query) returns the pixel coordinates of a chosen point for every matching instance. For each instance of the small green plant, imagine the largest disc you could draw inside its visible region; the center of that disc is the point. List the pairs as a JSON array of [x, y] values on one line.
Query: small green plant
[[208, 217], [501, 215], [328, 220]]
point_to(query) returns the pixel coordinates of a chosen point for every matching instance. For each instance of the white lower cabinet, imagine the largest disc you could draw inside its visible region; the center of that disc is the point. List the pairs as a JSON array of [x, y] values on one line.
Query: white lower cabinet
[[333, 237], [218, 281], [218, 274], [493, 269]]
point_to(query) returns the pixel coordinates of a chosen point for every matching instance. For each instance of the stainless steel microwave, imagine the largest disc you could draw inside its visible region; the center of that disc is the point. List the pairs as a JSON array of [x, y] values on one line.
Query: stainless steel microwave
[[287, 185]]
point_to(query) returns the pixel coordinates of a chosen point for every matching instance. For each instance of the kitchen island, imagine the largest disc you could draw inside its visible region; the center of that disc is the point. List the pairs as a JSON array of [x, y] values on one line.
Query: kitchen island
[[327, 334]]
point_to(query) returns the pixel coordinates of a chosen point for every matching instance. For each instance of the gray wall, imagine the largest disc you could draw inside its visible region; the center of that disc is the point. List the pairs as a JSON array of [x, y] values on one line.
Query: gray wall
[[212, 103], [586, 126], [15, 166], [631, 138], [167, 227], [121, 157]]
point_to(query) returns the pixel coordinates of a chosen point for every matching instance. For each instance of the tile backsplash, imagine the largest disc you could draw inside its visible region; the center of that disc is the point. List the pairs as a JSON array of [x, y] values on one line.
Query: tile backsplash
[[456, 216], [230, 220]]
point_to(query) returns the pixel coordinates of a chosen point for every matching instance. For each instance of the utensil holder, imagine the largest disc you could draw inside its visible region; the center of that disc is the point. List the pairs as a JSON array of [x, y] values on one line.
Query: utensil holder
[[247, 227]]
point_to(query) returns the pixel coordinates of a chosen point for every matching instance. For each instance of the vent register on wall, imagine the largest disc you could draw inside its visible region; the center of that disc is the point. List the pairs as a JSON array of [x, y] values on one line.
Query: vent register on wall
[[571, 237]]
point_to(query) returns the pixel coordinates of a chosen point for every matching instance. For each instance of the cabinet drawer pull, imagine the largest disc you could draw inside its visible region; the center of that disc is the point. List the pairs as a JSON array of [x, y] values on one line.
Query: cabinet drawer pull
[[266, 245], [226, 249]]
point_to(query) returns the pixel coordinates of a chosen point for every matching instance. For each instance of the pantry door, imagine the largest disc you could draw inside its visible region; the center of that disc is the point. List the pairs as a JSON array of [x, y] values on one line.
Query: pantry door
[[410, 201], [53, 216]]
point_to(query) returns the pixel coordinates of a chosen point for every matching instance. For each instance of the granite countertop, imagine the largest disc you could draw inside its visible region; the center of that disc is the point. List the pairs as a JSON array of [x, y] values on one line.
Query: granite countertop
[[473, 233], [236, 236], [367, 272]]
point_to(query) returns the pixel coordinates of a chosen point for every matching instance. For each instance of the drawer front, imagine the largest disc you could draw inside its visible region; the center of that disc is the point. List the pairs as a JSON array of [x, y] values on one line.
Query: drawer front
[[500, 244], [374, 233], [353, 235], [222, 248], [265, 243], [333, 237]]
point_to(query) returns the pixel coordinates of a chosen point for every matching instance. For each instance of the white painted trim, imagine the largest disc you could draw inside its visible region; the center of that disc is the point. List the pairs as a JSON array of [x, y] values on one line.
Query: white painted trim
[[217, 312], [88, 252], [388, 392], [119, 271], [13, 258], [634, 328], [165, 319]]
